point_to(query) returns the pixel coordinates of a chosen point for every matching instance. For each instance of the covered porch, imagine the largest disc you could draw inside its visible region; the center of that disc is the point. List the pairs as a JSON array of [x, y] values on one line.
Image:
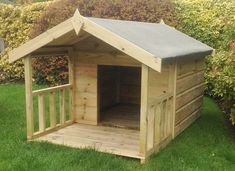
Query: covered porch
[[124, 142]]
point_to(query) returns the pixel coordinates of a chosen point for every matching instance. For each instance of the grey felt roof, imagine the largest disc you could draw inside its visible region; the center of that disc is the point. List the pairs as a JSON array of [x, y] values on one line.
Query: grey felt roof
[[1, 45], [160, 40]]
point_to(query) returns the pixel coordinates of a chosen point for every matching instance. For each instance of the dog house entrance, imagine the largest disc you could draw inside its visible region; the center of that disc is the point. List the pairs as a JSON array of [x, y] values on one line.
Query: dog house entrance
[[119, 96]]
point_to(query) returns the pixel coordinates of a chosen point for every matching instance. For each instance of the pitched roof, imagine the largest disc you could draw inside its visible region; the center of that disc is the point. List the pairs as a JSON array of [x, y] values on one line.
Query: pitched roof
[[148, 43], [158, 39]]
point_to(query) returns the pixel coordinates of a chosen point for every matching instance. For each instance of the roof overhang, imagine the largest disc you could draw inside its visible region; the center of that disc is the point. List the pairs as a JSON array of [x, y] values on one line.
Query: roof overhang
[[71, 29]]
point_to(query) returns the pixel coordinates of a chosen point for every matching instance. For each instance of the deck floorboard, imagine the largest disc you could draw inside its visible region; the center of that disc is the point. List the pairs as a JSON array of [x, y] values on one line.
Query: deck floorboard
[[119, 141]]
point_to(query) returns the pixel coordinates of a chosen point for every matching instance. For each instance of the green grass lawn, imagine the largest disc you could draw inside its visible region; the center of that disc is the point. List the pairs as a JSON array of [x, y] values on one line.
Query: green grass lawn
[[206, 145]]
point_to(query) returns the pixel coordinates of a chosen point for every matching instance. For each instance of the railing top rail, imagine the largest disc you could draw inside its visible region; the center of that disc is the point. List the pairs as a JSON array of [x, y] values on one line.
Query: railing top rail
[[51, 89], [162, 98]]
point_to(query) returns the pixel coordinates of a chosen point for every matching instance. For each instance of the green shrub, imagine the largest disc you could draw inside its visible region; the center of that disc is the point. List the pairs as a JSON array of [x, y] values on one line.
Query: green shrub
[[220, 79], [220, 74], [16, 23], [138, 10], [211, 21]]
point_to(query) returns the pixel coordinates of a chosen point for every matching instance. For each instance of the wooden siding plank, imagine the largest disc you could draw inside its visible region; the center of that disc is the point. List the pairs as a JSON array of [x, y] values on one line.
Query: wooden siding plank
[[188, 67], [189, 95], [188, 109], [185, 67], [187, 122], [200, 64], [189, 81]]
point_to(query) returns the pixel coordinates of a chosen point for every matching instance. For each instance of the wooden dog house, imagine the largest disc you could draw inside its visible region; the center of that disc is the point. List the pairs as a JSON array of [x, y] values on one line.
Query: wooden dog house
[[133, 86]]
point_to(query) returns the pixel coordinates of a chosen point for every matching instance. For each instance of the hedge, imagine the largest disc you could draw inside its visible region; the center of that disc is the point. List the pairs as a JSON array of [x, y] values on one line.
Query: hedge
[[16, 23], [211, 21]]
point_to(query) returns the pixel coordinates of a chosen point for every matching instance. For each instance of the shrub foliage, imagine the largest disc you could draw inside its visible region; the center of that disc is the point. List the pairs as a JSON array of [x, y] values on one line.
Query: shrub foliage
[[16, 23], [211, 21], [220, 79]]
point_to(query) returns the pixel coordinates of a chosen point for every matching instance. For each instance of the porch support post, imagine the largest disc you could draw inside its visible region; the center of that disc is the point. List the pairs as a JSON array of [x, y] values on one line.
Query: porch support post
[[144, 111], [29, 96], [71, 61]]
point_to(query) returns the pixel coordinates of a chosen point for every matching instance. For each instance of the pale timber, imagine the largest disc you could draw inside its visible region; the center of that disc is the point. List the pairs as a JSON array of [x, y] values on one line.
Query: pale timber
[[117, 141]]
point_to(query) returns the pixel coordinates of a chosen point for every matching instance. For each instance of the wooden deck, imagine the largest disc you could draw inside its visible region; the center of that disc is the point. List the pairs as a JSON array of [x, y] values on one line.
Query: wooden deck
[[122, 116], [124, 142]]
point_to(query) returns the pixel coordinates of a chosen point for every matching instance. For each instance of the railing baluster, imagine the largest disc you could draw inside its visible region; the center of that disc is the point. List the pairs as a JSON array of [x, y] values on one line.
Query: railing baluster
[[162, 121], [62, 106], [151, 128], [168, 116], [157, 123], [52, 110], [165, 118], [41, 112], [71, 103]]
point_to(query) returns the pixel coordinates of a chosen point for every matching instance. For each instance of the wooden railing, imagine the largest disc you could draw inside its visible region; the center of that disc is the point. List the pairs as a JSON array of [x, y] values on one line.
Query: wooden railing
[[61, 104], [159, 121]]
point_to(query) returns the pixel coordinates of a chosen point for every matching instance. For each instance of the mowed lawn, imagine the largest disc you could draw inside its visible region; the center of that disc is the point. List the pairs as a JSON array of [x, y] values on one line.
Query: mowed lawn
[[205, 145]]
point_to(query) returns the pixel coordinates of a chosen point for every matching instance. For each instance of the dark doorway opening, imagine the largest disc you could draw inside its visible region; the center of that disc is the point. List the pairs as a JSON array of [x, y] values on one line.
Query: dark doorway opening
[[119, 96]]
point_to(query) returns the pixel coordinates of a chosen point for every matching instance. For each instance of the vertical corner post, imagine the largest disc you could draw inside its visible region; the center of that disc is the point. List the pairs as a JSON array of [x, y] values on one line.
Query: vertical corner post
[[29, 96], [144, 110], [71, 63]]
